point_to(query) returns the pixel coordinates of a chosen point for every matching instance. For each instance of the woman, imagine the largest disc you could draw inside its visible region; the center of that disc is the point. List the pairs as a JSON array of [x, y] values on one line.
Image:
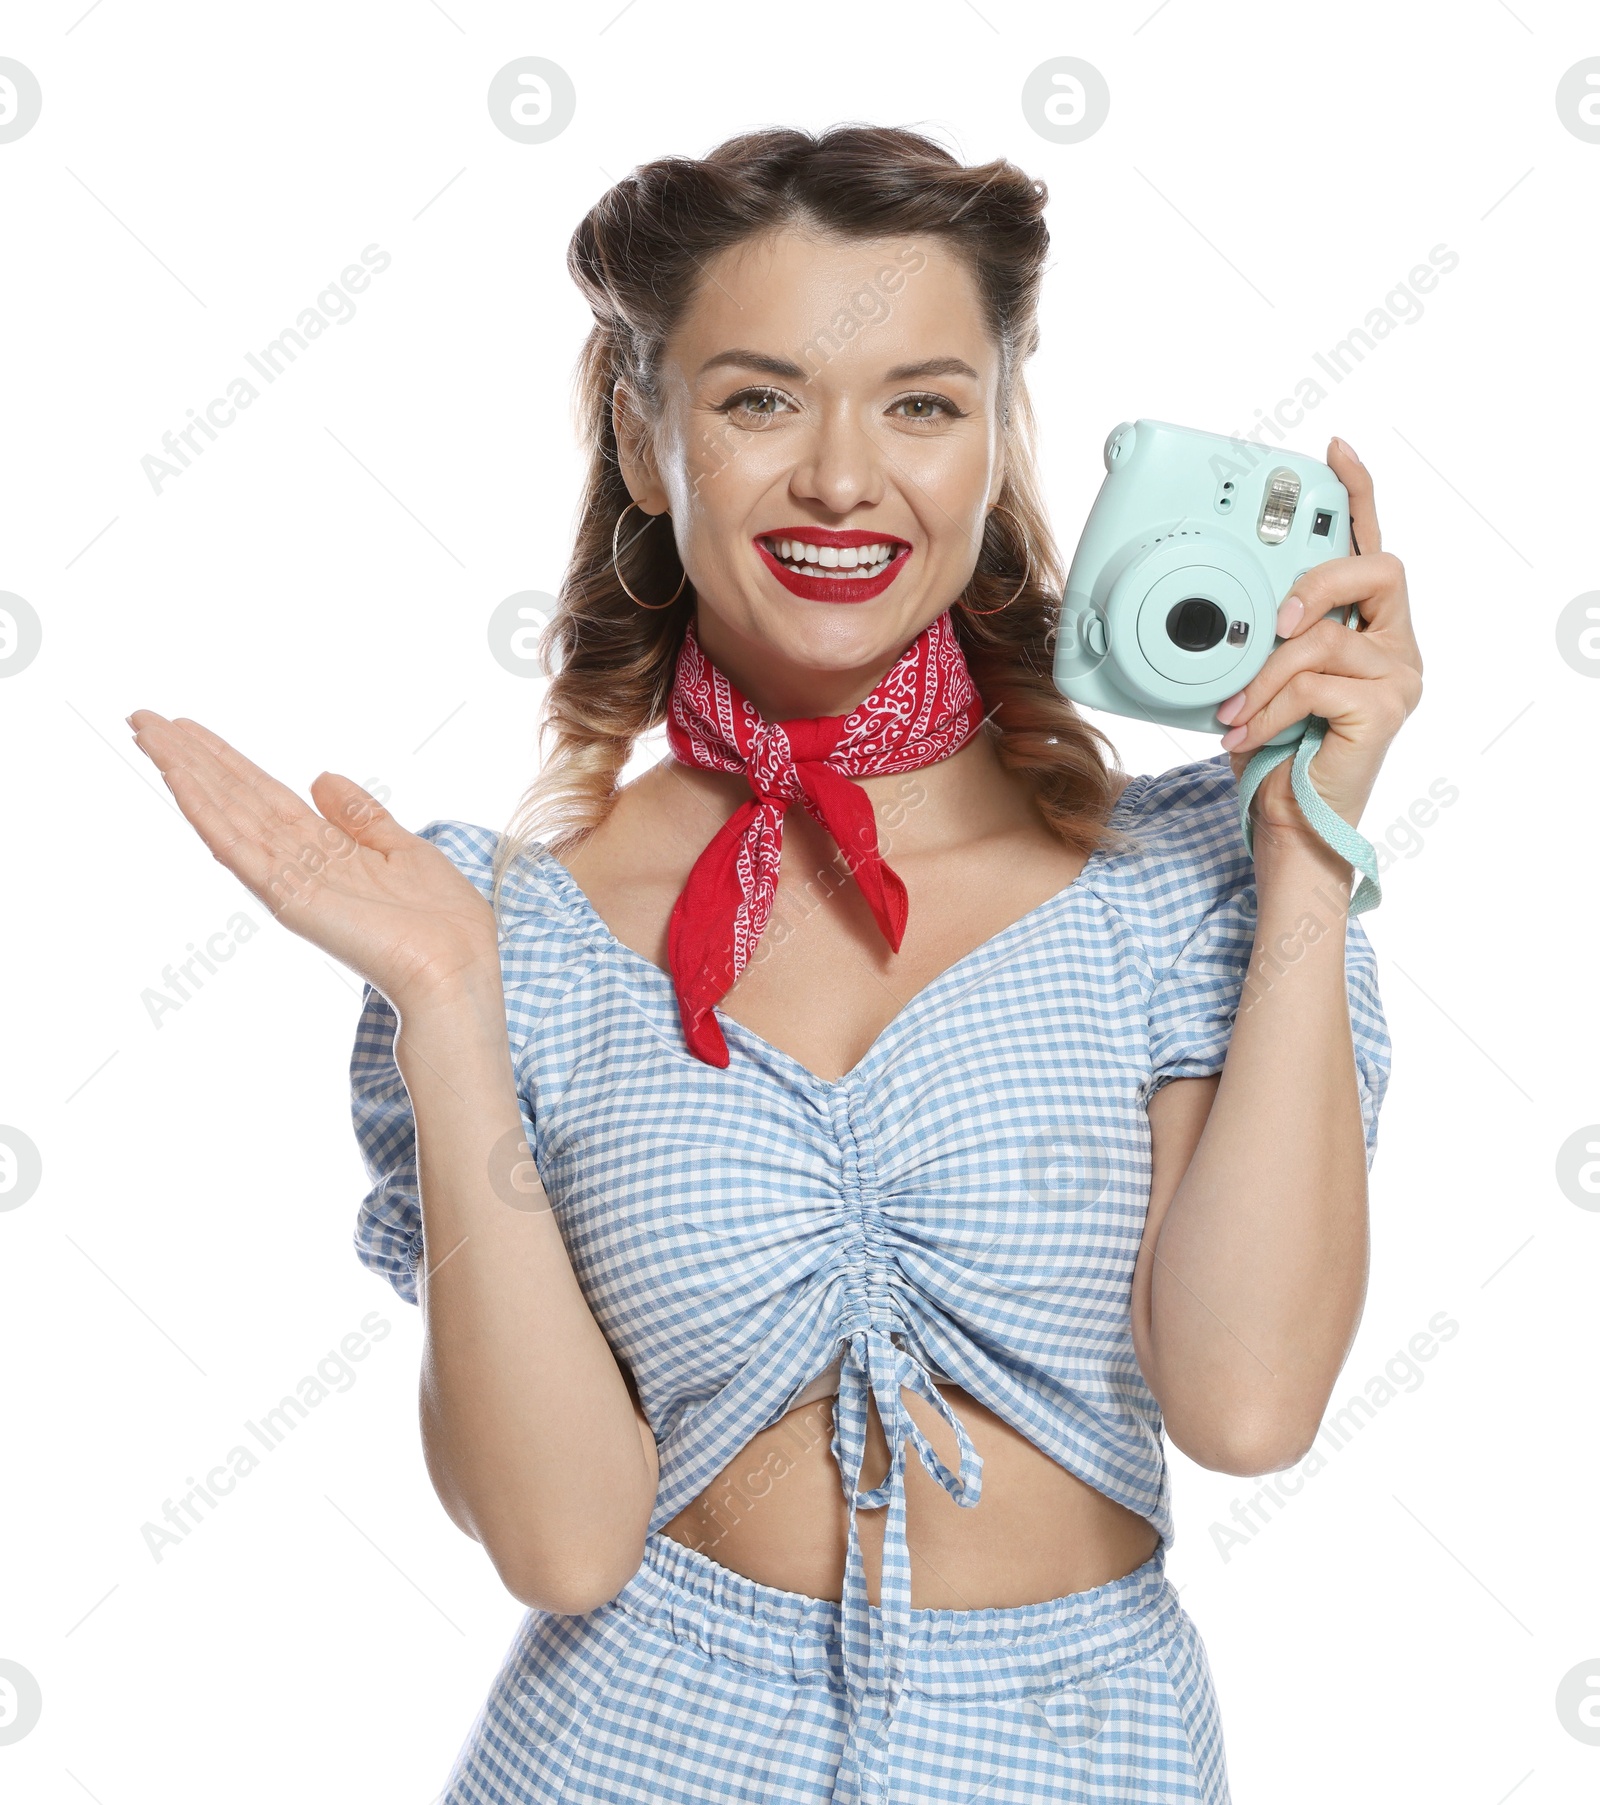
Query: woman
[[898, 1167]]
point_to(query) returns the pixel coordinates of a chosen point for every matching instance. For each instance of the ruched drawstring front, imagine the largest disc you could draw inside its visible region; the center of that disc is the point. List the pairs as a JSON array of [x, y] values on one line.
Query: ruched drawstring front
[[873, 1646], [734, 1227]]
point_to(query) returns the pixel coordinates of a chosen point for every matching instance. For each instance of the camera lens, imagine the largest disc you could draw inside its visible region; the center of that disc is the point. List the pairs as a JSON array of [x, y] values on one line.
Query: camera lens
[[1196, 624]]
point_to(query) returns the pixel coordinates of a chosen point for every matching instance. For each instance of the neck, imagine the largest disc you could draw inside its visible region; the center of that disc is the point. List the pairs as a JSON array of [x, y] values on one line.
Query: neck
[[965, 797], [783, 691]]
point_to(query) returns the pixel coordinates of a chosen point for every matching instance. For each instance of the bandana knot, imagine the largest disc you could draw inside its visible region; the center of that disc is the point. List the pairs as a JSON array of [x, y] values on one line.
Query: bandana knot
[[925, 708], [771, 766]]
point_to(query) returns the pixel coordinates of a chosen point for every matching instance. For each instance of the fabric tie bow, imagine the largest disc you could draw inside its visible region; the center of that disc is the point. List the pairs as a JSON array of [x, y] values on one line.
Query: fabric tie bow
[[925, 708]]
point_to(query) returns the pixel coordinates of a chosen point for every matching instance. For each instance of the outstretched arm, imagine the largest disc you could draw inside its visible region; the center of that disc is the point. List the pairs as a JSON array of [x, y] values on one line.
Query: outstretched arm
[[533, 1442]]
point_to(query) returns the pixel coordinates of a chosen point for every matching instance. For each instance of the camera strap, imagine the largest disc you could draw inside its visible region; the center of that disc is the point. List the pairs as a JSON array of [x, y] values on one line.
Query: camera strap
[[1333, 829]]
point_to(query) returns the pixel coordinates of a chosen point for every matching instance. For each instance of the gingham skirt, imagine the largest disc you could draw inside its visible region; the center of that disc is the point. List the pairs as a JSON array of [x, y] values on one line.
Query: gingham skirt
[[697, 1686]]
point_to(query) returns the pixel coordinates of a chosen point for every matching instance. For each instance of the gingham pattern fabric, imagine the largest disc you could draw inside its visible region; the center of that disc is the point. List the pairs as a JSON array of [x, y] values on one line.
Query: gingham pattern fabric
[[696, 1686], [969, 1198]]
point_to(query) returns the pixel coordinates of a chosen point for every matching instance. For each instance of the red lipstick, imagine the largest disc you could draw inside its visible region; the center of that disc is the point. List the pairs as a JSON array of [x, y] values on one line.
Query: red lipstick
[[833, 589]]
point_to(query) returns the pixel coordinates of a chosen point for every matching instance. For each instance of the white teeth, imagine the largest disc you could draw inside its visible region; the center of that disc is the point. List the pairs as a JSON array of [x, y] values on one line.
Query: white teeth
[[860, 560], [831, 556]]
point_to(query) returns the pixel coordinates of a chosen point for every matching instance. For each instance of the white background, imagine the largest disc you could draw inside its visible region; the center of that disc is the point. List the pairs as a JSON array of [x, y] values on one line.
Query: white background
[[316, 589]]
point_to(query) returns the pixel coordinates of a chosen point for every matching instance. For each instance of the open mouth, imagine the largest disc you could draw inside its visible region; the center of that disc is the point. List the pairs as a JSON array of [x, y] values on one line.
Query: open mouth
[[841, 563]]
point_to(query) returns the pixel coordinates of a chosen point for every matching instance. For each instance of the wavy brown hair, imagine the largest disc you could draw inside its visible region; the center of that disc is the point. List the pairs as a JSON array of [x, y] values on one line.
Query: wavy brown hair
[[638, 256]]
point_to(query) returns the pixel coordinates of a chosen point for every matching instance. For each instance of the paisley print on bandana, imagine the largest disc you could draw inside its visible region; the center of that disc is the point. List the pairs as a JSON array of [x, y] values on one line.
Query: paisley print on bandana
[[925, 708]]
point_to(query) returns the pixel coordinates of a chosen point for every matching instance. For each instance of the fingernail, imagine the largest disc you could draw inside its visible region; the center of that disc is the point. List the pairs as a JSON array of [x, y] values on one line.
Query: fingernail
[[1227, 710], [1346, 447], [1289, 615], [1232, 737]]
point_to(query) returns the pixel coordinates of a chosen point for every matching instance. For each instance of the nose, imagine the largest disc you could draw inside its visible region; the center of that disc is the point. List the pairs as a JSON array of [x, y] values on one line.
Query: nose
[[841, 466]]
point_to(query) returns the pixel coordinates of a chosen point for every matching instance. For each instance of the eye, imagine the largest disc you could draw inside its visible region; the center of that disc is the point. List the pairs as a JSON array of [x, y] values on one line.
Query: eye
[[929, 402], [754, 406]]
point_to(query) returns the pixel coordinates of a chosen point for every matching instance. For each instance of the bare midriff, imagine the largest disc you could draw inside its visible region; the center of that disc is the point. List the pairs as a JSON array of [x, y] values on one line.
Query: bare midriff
[[778, 1515]]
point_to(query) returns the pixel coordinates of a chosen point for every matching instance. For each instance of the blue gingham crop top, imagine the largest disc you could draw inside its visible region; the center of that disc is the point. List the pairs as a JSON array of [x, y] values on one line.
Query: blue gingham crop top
[[967, 1201]]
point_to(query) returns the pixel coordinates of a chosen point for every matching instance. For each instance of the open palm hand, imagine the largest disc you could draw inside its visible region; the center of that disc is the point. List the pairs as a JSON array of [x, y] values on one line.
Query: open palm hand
[[343, 874]]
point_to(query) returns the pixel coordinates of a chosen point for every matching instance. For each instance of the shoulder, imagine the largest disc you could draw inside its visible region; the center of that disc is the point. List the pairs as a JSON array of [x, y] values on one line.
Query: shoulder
[[527, 899], [1185, 854], [470, 848], [543, 938], [1184, 804]]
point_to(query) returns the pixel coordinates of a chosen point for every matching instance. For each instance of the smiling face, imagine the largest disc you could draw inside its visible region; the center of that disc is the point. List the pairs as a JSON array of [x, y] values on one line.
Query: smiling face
[[828, 444]]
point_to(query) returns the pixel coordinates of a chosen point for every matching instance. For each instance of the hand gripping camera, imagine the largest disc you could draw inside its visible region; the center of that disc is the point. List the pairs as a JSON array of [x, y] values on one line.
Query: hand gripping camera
[[1192, 543]]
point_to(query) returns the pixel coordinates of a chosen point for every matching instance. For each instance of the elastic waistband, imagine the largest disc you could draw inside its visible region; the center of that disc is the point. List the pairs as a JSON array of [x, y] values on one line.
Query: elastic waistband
[[993, 1650]]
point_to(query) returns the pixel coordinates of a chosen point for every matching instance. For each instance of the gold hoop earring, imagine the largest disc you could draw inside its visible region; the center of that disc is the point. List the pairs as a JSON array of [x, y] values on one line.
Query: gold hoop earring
[[1027, 571], [652, 606]]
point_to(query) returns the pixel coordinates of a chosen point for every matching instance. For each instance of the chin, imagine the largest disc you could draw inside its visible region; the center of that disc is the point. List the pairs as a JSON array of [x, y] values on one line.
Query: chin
[[838, 636]]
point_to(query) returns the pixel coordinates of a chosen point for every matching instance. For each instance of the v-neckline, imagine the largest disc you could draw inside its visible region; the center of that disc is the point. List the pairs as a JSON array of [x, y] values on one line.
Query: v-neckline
[[579, 899]]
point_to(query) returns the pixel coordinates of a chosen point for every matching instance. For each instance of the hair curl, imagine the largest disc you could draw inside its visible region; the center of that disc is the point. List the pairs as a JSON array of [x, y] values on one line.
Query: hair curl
[[638, 256]]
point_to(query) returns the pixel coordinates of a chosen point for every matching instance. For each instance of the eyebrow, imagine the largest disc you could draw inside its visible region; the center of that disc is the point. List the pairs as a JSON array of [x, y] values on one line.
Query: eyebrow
[[792, 372]]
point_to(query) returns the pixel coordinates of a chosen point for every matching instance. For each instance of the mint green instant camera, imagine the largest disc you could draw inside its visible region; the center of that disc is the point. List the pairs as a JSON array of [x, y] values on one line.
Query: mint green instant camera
[[1192, 542]]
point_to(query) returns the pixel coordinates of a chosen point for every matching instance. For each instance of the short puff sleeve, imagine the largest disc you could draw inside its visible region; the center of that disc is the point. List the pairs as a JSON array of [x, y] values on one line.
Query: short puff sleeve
[[1198, 989], [388, 1233]]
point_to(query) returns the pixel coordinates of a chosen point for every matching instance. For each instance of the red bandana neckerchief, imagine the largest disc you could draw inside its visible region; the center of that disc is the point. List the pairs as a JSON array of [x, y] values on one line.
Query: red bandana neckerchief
[[925, 708]]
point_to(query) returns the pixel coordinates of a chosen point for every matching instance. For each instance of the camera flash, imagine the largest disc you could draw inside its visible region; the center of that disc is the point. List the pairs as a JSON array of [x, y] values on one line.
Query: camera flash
[[1278, 506]]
